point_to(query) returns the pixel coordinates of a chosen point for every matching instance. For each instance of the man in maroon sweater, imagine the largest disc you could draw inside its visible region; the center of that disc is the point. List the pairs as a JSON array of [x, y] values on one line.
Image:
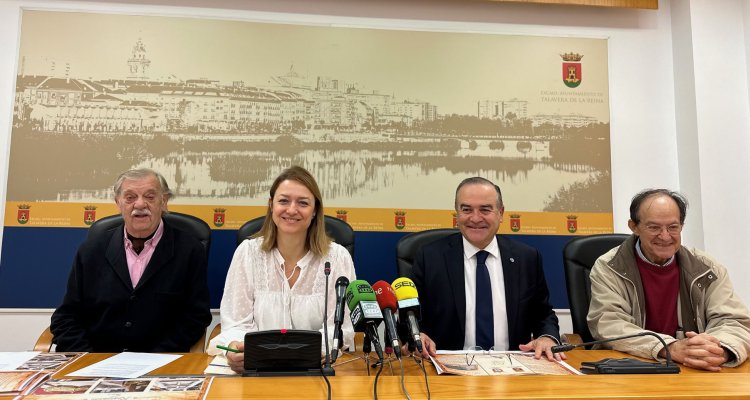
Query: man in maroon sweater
[[651, 282]]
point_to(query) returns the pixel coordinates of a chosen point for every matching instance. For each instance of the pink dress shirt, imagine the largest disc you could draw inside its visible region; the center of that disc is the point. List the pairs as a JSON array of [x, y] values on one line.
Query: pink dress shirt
[[137, 262]]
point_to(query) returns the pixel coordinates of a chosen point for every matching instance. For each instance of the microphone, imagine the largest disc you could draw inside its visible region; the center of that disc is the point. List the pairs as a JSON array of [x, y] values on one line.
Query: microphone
[[326, 369], [387, 301], [367, 345], [338, 317], [364, 311], [408, 303], [623, 365]]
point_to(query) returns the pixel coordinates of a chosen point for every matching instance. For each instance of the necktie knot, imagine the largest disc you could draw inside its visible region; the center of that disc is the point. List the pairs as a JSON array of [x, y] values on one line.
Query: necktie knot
[[482, 257]]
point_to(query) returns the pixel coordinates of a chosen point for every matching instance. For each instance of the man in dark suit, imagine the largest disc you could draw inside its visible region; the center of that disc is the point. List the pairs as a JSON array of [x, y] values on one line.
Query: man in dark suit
[[480, 289], [140, 287]]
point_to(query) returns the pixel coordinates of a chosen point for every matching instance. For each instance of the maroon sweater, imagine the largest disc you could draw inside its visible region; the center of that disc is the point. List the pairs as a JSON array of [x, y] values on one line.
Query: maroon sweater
[[661, 285]]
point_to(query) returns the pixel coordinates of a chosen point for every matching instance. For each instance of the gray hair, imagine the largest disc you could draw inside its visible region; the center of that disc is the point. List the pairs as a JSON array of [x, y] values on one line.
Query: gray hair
[[142, 173], [640, 197], [478, 180]]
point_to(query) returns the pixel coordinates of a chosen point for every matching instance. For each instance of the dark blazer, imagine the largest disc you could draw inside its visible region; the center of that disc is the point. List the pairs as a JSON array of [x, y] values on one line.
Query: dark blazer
[[168, 311], [438, 274]]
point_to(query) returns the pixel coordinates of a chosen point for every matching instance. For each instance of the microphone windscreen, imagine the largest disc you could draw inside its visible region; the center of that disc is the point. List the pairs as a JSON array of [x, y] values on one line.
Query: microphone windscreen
[[385, 295], [405, 289], [358, 290]]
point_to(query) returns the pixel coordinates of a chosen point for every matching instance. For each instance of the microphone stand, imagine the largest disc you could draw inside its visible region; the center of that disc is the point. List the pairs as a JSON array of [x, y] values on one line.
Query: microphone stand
[[327, 369], [366, 350], [351, 352], [371, 340], [379, 351], [624, 365], [388, 357]]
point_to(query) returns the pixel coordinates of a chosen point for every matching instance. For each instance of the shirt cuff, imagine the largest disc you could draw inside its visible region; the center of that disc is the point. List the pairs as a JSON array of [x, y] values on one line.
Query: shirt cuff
[[551, 337]]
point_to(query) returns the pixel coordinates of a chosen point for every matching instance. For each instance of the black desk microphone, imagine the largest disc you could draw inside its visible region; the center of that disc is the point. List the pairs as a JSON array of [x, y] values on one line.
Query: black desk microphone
[[623, 365]]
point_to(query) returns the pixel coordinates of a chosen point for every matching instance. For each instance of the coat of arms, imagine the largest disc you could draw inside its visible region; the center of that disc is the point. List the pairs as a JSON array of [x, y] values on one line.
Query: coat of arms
[[341, 214], [400, 219], [219, 217], [572, 223], [515, 222], [571, 69], [24, 214], [89, 215]]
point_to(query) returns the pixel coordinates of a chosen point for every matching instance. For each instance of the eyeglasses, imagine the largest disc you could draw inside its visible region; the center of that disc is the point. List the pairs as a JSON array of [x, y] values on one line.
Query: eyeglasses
[[658, 229], [474, 350]]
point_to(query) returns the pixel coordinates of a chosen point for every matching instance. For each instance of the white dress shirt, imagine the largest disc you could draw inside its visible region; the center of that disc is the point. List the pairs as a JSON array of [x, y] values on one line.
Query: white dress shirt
[[500, 316], [257, 296]]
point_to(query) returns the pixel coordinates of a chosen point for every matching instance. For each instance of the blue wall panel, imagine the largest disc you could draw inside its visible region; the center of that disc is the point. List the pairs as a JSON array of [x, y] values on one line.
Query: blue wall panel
[[36, 261], [35, 265]]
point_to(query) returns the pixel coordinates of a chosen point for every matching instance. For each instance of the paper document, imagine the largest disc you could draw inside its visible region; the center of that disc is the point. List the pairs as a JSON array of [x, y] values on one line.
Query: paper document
[[153, 388], [49, 361], [219, 366], [20, 382], [127, 365], [479, 363], [10, 361]]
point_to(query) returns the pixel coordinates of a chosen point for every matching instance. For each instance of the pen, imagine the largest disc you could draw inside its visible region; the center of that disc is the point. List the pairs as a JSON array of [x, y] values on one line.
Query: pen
[[228, 349]]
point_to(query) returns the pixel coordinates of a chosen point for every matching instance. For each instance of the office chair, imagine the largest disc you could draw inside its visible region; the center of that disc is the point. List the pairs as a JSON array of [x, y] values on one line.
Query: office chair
[[215, 331], [338, 230], [44, 342], [200, 345], [183, 222], [579, 255], [407, 246]]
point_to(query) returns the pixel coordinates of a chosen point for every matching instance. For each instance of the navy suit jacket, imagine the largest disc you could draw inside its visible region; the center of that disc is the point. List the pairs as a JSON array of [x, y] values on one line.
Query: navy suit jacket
[[168, 311], [438, 274]]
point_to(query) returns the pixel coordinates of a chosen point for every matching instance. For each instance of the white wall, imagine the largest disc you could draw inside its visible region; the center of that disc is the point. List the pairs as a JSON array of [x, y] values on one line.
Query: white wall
[[723, 122], [651, 89]]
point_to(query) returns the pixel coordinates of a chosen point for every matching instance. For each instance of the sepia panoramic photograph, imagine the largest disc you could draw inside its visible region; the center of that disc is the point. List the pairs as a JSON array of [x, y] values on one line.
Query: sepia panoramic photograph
[[382, 118]]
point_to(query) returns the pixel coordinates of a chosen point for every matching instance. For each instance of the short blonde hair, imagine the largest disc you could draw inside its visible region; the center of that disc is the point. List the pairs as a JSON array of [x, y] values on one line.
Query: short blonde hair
[[317, 239]]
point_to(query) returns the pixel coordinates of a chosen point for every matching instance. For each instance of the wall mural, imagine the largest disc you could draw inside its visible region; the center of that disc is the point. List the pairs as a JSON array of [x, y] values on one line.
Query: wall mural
[[388, 121]]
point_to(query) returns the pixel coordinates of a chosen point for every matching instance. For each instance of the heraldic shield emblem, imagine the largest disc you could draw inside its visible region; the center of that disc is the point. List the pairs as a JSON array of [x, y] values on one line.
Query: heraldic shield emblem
[[399, 220], [23, 213], [89, 215], [572, 223], [572, 73], [219, 217], [341, 214], [515, 222]]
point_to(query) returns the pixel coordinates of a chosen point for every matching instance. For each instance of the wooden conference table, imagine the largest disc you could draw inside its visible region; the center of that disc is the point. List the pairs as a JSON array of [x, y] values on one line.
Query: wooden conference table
[[351, 382]]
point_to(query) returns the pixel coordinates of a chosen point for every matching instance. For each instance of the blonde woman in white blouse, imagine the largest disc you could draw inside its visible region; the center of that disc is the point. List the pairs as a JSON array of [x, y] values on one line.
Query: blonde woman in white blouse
[[276, 278]]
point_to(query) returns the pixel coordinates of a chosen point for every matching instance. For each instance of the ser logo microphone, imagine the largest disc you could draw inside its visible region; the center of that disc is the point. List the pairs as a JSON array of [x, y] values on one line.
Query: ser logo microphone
[[406, 283]]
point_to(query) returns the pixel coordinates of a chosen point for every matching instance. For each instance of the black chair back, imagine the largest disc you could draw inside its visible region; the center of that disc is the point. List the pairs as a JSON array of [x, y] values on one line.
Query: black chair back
[[579, 255], [407, 246], [183, 222], [338, 230]]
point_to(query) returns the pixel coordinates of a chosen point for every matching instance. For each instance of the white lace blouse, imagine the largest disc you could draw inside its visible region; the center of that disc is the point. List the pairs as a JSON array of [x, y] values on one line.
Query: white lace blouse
[[257, 296]]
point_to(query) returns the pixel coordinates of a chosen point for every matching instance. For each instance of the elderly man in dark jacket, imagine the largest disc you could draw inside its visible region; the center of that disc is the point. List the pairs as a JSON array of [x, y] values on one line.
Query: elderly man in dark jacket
[[140, 287]]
